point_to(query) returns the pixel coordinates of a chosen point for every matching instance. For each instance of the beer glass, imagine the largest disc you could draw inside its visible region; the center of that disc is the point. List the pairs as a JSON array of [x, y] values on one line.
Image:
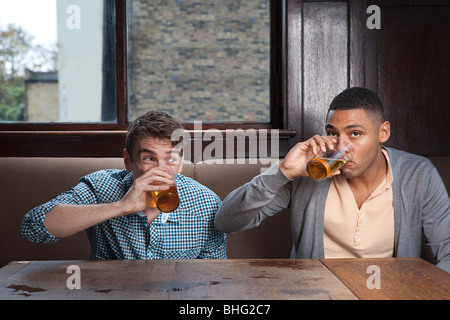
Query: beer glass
[[165, 200], [325, 163]]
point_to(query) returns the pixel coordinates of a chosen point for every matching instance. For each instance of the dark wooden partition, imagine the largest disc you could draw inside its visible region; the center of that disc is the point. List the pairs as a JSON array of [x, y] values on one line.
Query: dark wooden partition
[[406, 62], [413, 74]]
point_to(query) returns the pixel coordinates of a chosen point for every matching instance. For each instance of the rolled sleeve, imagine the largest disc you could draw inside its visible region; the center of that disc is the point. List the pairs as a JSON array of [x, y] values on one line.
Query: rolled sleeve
[[33, 227]]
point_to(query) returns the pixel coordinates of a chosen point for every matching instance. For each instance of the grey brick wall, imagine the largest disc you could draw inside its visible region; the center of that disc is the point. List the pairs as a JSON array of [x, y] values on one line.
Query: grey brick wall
[[200, 60]]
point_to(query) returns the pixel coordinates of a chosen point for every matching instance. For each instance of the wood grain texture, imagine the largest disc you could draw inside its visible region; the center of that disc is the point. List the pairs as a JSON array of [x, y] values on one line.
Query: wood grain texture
[[175, 280], [325, 41], [413, 77], [400, 278]]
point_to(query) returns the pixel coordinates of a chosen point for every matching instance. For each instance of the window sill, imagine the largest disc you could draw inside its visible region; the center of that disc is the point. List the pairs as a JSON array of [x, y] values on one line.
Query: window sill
[[106, 144]]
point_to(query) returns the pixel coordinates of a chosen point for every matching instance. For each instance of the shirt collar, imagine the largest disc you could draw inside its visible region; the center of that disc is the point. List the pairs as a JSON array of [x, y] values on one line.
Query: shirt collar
[[389, 175]]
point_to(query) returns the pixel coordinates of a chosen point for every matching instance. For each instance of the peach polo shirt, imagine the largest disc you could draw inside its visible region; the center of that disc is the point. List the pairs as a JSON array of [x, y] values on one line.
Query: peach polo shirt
[[367, 232]]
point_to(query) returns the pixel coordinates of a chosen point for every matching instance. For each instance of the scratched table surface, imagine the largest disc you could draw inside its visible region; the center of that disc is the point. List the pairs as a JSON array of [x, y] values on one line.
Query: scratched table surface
[[255, 279]]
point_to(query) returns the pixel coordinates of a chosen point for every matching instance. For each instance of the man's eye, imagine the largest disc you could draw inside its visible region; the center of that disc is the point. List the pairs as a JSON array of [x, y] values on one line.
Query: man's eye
[[147, 159], [356, 134], [331, 134]]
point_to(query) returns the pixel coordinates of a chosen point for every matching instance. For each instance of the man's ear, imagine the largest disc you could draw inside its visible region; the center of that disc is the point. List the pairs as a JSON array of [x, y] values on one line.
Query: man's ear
[[127, 160], [384, 132]]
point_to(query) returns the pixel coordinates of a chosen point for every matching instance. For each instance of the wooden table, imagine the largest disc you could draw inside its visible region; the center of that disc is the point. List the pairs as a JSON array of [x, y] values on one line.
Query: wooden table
[[254, 279], [399, 278], [173, 279]]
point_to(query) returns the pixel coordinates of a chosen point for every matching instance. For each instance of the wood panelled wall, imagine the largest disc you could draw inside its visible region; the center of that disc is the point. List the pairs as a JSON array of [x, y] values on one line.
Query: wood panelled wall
[[413, 76], [406, 62], [325, 47]]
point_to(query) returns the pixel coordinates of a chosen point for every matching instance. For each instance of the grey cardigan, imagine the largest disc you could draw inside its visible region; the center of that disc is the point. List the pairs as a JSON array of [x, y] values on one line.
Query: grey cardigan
[[421, 203]]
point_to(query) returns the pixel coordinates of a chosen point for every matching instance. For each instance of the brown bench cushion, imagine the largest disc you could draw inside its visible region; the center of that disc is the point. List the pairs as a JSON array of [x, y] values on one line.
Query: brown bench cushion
[[271, 239], [29, 182]]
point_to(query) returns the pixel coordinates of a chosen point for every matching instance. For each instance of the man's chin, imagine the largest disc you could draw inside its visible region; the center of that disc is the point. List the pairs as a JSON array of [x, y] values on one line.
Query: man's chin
[[347, 173]]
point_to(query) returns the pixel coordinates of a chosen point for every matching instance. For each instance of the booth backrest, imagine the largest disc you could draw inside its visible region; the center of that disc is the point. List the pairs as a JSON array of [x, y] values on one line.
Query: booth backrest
[[29, 182]]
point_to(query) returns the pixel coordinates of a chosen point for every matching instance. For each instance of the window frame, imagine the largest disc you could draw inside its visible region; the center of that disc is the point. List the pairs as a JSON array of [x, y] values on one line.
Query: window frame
[[31, 137]]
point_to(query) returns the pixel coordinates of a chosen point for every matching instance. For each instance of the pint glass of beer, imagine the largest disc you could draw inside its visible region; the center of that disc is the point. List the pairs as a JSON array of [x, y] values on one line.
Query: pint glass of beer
[[165, 200], [325, 163]]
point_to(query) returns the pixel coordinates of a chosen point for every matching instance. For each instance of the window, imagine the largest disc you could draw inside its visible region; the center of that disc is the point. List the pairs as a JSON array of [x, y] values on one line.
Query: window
[[56, 62], [200, 60], [214, 78]]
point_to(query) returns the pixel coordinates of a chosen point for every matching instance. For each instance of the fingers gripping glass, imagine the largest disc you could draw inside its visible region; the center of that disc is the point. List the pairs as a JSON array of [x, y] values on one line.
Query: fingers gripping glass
[[326, 163]]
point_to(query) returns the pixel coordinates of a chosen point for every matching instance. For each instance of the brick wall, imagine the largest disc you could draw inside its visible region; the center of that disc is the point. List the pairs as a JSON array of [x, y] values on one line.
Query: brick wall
[[200, 60]]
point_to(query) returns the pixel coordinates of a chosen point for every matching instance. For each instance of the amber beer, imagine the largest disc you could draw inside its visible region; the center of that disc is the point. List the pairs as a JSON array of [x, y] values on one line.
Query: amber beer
[[166, 200], [320, 169]]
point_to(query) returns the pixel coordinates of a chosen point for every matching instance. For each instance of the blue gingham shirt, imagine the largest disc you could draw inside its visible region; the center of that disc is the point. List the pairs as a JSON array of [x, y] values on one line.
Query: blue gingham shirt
[[186, 233]]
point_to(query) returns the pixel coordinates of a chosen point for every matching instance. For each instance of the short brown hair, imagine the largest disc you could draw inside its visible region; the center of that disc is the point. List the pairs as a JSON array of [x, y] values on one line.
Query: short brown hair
[[156, 124]]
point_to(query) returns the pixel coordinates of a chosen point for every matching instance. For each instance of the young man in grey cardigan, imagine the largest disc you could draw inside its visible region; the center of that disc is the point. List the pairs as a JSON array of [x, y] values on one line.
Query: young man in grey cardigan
[[377, 205]]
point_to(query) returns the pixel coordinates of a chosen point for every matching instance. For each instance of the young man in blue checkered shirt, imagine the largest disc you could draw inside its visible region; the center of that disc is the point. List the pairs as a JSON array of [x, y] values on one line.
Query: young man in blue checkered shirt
[[111, 205]]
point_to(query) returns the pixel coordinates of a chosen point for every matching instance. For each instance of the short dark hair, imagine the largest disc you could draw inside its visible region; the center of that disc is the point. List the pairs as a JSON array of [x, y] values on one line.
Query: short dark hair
[[156, 124], [358, 98]]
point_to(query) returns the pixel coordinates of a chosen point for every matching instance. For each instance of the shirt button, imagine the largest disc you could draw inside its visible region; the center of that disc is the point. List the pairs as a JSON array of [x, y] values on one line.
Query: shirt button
[[356, 240]]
